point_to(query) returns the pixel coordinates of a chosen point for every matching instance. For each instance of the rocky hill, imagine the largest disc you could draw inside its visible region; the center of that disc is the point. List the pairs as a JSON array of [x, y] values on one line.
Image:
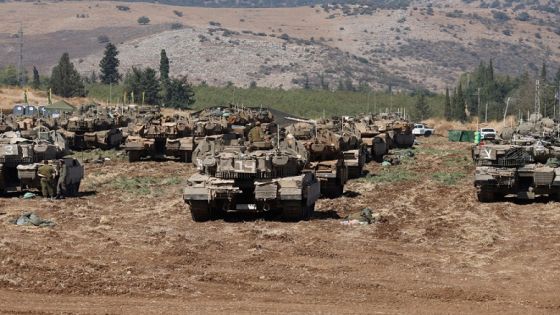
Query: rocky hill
[[413, 44]]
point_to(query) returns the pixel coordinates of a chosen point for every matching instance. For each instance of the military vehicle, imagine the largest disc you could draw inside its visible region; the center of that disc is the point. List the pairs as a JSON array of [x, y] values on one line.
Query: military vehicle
[[20, 157], [524, 170], [354, 150], [326, 158], [398, 129], [523, 161], [235, 175], [88, 132], [165, 136], [29, 178]]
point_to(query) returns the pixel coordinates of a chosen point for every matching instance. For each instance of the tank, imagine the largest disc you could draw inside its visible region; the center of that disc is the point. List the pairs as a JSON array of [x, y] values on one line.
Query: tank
[[167, 136], [524, 161], [93, 127], [20, 157], [326, 158], [237, 176]]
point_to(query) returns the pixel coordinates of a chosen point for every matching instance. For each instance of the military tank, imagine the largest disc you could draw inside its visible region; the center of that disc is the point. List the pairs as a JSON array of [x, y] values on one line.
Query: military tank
[[165, 136], [326, 158], [88, 132], [21, 157], [238, 176], [524, 166], [354, 150]]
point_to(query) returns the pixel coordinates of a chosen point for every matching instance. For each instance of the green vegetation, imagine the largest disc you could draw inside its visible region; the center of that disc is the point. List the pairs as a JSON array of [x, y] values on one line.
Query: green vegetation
[[65, 80], [448, 178], [109, 65]]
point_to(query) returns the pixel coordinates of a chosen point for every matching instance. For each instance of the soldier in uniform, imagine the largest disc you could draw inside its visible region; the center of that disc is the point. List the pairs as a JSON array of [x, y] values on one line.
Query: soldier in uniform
[[47, 173], [61, 183], [256, 134]]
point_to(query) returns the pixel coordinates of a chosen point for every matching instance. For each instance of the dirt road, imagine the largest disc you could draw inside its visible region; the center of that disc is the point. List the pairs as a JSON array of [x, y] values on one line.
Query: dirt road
[[128, 246]]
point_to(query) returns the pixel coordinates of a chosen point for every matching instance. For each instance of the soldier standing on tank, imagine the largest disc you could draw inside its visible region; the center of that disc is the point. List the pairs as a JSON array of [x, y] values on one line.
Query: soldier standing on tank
[[47, 173], [256, 134], [61, 183]]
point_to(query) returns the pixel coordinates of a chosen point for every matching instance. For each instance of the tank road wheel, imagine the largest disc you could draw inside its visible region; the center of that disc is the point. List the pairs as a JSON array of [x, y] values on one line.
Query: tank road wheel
[[200, 210], [486, 196], [297, 210], [134, 156]]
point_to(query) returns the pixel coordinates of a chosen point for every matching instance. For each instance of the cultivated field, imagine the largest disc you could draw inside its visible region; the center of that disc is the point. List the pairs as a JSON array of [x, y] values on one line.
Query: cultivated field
[[128, 246]]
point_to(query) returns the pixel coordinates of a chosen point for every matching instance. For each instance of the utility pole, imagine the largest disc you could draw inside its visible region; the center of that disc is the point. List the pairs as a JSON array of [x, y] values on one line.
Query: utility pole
[[537, 97], [21, 74], [478, 105]]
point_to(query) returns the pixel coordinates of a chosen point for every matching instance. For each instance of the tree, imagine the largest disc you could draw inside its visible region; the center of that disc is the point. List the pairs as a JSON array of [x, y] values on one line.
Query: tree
[[557, 78], [447, 105], [36, 83], [543, 73], [93, 77], [459, 104], [65, 80], [109, 65], [143, 20], [179, 94], [306, 83], [143, 82], [421, 108], [9, 75], [163, 66]]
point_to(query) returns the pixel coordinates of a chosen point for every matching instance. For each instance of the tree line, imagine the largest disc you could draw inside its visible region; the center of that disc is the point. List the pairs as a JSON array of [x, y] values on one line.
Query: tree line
[[144, 85]]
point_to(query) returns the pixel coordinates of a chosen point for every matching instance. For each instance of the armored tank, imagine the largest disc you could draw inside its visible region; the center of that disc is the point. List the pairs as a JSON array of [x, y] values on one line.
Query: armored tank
[[397, 129], [326, 158], [20, 158], [354, 150], [234, 175], [166, 136], [527, 167], [376, 142], [88, 131]]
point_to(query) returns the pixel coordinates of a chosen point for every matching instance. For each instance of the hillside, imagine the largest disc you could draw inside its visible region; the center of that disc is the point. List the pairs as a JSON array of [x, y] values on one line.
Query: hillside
[[425, 44]]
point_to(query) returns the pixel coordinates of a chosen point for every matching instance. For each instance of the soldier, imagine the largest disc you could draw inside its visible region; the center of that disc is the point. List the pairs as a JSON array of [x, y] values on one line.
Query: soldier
[[61, 183], [256, 134], [47, 173]]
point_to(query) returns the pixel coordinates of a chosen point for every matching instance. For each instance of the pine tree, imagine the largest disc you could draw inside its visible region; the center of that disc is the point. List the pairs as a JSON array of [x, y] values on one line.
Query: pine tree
[[447, 105], [65, 80], [543, 73], [557, 78], [179, 94], [421, 108], [36, 83], [93, 77], [163, 66], [109, 65], [143, 81], [490, 77], [460, 105]]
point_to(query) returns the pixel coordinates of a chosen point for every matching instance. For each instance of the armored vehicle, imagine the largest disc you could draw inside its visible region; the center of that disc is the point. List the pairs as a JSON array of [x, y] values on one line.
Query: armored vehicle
[[88, 132], [326, 158], [354, 150], [168, 136], [526, 167], [20, 158], [235, 175], [29, 178]]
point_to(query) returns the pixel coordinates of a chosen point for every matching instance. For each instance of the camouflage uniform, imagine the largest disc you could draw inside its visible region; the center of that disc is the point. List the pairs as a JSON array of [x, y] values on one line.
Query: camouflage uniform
[[46, 173], [61, 184], [256, 134]]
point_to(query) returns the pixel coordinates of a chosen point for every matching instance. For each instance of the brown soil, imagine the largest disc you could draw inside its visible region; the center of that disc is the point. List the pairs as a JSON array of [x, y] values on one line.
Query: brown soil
[[130, 247]]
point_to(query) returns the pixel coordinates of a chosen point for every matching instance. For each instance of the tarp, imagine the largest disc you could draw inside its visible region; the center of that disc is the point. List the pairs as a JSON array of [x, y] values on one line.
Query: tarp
[[60, 106], [460, 135]]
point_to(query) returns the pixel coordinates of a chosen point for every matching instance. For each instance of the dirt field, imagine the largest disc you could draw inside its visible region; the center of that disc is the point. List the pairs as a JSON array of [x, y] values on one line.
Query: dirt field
[[128, 246]]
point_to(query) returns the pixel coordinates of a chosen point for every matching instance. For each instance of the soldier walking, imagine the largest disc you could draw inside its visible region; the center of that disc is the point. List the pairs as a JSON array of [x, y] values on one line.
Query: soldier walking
[[47, 174]]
